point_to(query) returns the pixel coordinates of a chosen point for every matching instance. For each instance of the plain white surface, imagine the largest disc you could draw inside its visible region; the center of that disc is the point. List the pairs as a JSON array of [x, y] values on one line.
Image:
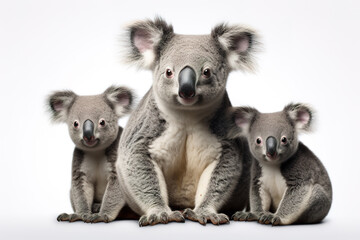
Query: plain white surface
[[311, 51]]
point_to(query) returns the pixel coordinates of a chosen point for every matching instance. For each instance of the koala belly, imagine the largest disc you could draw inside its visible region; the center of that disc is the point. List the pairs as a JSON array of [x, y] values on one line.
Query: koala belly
[[94, 167], [273, 187], [183, 152]]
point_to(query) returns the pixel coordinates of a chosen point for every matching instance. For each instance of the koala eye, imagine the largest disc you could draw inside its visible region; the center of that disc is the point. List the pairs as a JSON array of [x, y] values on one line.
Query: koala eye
[[102, 122], [284, 140], [206, 73], [169, 73], [76, 124], [258, 141]]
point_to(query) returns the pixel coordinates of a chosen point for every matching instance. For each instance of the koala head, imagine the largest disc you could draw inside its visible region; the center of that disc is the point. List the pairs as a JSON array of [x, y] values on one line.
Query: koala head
[[92, 120], [189, 71], [272, 137]]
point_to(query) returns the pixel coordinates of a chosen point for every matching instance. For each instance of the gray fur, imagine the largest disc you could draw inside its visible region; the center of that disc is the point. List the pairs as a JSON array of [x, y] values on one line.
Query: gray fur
[[159, 171], [307, 194], [158, 27], [95, 193]]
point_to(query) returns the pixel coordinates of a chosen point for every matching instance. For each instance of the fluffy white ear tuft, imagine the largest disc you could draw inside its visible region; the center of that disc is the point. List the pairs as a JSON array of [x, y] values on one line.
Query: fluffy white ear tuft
[[59, 104], [243, 117], [120, 99], [144, 39], [239, 43], [301, 115]]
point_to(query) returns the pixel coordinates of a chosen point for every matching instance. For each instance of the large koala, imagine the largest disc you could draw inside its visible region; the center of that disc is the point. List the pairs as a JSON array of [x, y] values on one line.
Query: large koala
[[174, 149]]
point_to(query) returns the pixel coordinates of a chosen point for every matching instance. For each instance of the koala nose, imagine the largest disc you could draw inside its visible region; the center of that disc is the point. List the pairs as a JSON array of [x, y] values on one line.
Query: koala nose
[[187, 80], [88, 130], [271, 145]]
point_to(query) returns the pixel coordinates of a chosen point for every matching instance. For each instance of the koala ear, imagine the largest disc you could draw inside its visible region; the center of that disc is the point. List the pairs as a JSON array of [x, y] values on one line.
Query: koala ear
[[143, 41], [239, 43], [241, 120], [59, 104], [301, 115], [120, 99]]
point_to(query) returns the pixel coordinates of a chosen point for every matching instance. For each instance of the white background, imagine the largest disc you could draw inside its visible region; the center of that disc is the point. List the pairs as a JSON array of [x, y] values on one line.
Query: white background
[[310, 54]]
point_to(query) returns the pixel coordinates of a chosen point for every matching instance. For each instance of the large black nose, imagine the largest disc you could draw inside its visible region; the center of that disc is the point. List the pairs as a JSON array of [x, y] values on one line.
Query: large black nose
[[88, 130], [271, 145], [187, 80]]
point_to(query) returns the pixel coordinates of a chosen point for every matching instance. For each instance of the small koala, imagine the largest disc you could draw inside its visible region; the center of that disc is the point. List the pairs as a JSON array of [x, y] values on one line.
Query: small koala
[[289, 183], [93, 127]]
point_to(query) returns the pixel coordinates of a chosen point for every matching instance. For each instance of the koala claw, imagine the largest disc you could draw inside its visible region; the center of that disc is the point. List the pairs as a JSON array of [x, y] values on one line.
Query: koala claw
[[79, 217], [204, 217], [63, 217], [244, 216], [161, 217], [176, 216], [73, 217], [269, 218], [96, 218], [276, 221]]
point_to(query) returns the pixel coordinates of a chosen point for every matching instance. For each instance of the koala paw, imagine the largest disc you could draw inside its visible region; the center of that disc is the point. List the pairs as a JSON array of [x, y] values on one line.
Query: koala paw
[[97, 217], [63, 217], [269, 218], [161, 217], [73, 217], [203, 216], [245, 216]]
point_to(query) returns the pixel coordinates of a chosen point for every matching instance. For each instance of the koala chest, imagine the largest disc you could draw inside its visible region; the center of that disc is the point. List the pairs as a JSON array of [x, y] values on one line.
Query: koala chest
[[96, 171], [273, 186], [183, 152]]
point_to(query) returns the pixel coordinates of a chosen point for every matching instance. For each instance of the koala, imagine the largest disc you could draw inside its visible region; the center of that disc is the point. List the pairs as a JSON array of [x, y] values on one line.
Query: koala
[[289, 184], [93, 127], [175, 151]]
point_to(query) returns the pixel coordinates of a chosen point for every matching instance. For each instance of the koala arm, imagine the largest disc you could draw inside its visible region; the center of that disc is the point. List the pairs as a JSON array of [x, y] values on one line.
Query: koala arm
[[113, 200], [147, 187], [147, 183], [259, 201], [293, 204], [82, 191], [256, 205], [216, 184], [140, 176]]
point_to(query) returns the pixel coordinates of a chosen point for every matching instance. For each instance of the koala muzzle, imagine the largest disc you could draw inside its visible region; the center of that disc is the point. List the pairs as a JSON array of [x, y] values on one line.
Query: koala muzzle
[[88, 130], [187, 80], [271, 145]]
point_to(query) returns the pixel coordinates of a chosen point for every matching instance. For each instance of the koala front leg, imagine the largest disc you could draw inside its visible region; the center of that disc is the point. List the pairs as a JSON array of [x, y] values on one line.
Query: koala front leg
[[257, 204], [216, 184], [260, 201], [81, 193], [112, 202], [293, 204], [146, 184]]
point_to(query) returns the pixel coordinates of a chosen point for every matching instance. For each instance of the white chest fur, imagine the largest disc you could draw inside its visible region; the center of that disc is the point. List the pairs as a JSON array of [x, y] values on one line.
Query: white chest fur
[[182, 152], [273, 186], [96, 170]]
